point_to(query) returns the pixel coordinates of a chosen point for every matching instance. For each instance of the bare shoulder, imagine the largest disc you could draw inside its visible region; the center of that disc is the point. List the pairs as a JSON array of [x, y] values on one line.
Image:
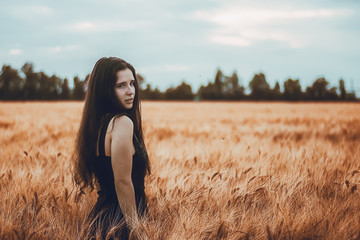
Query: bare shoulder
[[122, 125]]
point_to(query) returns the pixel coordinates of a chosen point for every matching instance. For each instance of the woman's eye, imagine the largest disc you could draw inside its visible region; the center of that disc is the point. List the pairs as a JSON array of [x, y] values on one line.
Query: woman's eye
[[132, 83], [120, 85]]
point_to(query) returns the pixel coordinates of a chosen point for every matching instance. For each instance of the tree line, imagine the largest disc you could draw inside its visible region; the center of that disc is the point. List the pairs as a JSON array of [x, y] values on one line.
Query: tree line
[[40, 86], [37, 85], [228, 88]]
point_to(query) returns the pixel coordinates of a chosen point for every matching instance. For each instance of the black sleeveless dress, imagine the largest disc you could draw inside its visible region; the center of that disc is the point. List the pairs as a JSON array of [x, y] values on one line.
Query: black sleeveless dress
[[106, 215]]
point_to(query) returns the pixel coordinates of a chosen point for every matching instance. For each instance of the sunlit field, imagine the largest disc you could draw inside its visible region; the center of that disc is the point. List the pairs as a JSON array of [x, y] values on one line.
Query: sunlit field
[[219, 171]]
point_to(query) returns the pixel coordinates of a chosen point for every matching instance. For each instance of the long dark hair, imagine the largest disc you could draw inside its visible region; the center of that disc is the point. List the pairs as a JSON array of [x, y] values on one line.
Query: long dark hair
[[101, 100]]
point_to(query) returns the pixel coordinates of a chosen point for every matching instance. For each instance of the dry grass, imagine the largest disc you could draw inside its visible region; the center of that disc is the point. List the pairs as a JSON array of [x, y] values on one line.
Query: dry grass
[[220, 171]]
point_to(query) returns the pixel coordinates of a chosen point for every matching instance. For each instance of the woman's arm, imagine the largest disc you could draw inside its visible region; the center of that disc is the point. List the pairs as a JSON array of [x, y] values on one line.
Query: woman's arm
[[121, 160]]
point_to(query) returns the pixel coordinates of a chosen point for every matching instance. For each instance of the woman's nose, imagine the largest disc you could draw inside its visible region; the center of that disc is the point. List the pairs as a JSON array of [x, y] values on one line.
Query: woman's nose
[[130, 90]]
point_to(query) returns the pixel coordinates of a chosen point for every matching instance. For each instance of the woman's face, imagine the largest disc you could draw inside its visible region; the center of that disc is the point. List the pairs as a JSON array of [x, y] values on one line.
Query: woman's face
[[125, 88]]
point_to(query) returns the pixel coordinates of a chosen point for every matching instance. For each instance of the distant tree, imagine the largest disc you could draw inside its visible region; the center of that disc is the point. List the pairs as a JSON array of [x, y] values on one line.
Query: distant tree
[[65, 90], [292, 90], [79, 88], [149, 93], [157, 94], [11, 84], [215, 90], [43, 92], [230, 83], [259, 87], [234, 80], [342, 89], [231, 88], [49, 87], [145, 93], [208, 92], [32, 82], [275, 92], [181, 92], [238, 93], [318, 90], [218, 84], [55, 89], [227, 86], [351, 96], [332, 94], [141, 80]]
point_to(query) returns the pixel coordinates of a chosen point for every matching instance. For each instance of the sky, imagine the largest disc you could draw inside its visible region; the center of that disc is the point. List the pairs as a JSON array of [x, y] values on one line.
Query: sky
[[171, 41]]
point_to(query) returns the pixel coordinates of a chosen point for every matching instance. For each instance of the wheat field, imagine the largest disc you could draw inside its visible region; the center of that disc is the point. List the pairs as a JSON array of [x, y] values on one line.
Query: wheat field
[[219, 171]]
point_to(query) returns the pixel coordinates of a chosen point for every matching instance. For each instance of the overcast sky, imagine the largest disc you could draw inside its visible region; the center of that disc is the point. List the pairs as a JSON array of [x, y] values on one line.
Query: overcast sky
[[170, 41]]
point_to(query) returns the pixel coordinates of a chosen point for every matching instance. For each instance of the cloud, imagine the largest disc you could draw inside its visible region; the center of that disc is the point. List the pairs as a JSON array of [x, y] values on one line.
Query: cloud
[[83, 26], [105, 26], [243, 26], [15, 51], [255, 16]]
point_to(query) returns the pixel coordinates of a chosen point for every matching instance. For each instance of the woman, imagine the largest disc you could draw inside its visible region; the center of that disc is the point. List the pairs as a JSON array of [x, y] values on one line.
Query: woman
[[110, 150]]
